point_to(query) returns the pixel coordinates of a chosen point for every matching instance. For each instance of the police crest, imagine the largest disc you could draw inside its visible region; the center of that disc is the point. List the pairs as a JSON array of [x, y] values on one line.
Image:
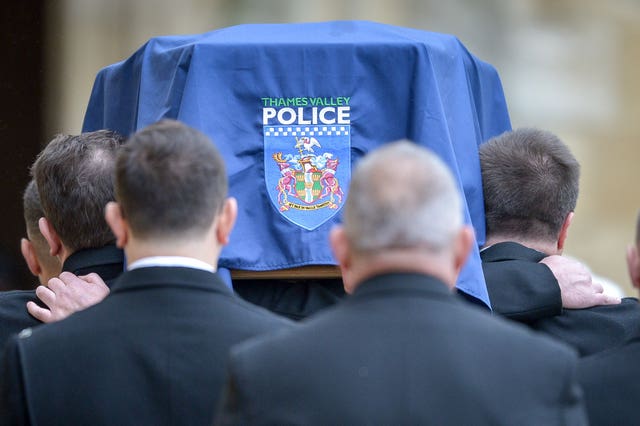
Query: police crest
[[307, 159]]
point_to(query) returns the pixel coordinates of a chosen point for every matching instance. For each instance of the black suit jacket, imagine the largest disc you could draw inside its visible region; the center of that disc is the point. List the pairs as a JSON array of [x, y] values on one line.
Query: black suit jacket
[[403, 350], [108, 262], [611, 383], [519, 287], [588, 330], [153, 352]]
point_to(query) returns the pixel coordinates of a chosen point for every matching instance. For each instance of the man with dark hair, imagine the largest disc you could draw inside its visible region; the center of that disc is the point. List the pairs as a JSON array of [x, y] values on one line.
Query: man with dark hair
[[611, 383], [34, 247], [402, 349], [154, 351], [611, 379], [74, 177], [13, 313], [530, 182], [74, 180]]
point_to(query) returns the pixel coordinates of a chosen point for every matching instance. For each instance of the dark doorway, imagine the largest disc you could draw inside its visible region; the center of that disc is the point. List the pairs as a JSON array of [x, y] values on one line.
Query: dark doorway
[[21, 127]]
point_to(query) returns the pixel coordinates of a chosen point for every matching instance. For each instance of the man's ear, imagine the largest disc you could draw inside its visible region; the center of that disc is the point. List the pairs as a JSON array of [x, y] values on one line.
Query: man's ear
[[339, 245], [226, 219], [564, 232], [462, 247], [633, 264], [342, 253], [50, 234], [29, 254], [117, 223]]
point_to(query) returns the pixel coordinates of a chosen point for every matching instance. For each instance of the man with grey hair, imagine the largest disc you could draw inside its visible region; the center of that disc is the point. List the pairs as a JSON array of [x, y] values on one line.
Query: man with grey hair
[[402, 349]]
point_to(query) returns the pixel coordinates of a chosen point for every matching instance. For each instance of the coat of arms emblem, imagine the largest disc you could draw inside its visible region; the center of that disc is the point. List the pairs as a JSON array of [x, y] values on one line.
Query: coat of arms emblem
[[307, 171]]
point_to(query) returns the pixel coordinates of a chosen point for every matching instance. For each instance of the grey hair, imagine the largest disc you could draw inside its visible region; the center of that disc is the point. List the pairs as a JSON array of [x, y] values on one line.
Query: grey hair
[[402, 196]]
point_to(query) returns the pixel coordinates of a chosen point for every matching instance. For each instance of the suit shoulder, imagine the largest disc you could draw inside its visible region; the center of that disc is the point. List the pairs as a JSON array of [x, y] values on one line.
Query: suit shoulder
[[254, 313], [61, 333], [291, 335], [494, 342], [620, 356], [13, 312], [13, 303], [626, 313], [494, 328], [14, 296], [627, 304]]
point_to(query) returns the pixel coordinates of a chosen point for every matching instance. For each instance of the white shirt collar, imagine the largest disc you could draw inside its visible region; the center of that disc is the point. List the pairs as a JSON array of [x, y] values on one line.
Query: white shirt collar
[[187, 262]]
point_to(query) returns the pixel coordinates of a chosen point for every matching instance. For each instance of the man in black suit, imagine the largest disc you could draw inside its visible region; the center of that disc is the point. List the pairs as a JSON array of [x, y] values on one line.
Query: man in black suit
[[402, 349], [611, 383], [154, 351], [611, 379], [73, 177], [530, 185]]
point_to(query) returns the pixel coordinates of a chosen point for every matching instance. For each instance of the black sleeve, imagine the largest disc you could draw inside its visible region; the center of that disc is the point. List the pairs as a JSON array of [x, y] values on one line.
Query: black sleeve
[[13, 407], [521, 290]]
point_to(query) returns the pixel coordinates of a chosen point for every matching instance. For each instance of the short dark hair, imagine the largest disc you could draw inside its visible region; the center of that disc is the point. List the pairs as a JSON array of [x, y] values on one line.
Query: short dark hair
[[530, 181], [170, 181], [74, 177], [32, 209]]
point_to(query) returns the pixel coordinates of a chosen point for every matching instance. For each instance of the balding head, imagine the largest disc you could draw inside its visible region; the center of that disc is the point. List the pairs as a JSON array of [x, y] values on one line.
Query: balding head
[[402, 200], [74, 177], [402, 196]]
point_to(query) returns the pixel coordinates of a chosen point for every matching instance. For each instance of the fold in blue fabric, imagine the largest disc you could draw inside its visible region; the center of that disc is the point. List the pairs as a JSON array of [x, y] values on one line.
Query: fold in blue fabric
[[293, 107]]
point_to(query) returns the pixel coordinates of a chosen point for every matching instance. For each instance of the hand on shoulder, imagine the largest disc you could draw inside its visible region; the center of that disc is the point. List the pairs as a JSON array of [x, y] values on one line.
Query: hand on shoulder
[[67, 294], [577, 288]]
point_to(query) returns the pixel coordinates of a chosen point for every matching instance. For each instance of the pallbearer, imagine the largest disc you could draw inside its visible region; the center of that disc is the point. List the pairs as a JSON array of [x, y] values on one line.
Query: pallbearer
[[293, 107]]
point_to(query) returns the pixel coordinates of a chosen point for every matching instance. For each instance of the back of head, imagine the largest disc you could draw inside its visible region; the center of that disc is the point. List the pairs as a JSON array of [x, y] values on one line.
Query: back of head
[[530, 181], [32, 214], [32, 211], [170, 181], [74, 177], [402, 196]]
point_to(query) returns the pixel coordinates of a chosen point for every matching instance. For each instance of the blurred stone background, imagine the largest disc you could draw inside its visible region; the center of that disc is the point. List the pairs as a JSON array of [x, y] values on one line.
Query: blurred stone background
[[568, 66]]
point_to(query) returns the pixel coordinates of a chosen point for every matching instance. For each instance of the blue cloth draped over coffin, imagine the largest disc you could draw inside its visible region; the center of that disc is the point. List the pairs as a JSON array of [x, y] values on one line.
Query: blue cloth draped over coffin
[[292, 107]]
